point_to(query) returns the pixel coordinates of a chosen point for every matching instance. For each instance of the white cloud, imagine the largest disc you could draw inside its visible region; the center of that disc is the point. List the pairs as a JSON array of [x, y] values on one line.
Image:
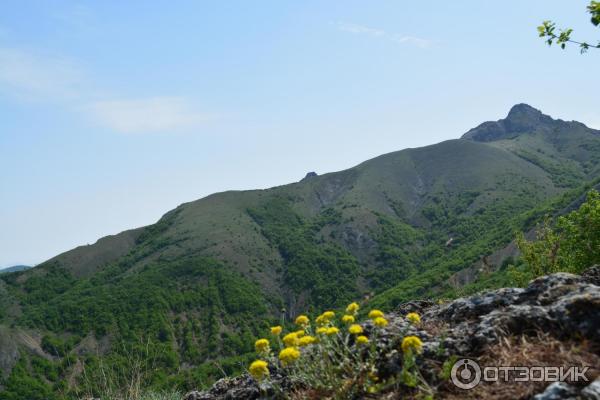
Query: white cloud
[[30, 76], [147, 114], [35, 77], [354, 28], [380, 33], [417, 41]]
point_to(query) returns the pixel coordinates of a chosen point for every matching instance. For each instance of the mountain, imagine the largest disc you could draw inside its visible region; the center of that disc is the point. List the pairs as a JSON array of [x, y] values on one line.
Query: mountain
[[14, 268], [200, 281], [566, 150]]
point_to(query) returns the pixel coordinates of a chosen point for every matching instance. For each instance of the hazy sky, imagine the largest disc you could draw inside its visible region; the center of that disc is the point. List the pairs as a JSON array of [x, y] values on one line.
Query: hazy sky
[[114, 112]]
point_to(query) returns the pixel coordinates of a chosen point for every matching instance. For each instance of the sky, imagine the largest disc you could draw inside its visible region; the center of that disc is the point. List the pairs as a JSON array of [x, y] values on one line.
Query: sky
[[113, 113]]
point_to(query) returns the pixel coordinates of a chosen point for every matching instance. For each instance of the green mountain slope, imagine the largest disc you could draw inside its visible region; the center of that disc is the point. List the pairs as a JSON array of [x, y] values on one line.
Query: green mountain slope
[[197, 282]]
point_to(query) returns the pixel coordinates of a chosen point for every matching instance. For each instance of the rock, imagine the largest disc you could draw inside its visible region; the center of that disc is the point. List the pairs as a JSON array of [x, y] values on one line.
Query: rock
[[592, 275], [561, 304], [546, 289], [418, 306], [194, 395], [578, 313], [239, 388], [557, 391], [309, 175], [592, 391], [475, 306]]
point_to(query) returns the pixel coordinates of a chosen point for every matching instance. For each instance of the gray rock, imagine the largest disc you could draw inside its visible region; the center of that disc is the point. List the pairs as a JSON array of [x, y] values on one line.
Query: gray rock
[[557, 391], [418, 306], [475, 306], [239, 388], [563, 305], [309, 175], [195, 395], [592, 391], [592, 275]]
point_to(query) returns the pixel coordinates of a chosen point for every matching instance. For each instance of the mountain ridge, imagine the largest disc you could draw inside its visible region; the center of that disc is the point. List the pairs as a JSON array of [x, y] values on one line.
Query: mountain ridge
[[520, 119], [392, 228], [14, 268]]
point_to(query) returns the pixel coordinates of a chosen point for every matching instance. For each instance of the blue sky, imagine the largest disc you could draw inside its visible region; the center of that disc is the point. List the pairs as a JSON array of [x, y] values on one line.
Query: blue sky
[[114, 112]]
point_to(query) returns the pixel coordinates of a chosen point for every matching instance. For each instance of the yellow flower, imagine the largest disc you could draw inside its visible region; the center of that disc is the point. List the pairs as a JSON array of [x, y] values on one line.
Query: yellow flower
[[299, 333], [362, 339], [289, 355], [322, 330], [332, 331], [355, 329], [375, 314], [380, 322], [290, 340], [320, 320], [352, 308], [373, 376], [348, 319], [276, 330], [259, 369], [328, 315], [413, 318], [412, 343], [302, 320], [306, 340], [325, 318], [261, 346]]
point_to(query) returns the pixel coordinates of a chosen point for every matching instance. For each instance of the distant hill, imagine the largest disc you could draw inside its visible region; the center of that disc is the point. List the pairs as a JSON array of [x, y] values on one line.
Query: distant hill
[[200, 282], [14, 268]]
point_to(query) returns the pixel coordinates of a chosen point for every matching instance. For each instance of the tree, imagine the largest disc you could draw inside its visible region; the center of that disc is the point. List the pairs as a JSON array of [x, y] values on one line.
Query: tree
[[571, 245], [548, 31]]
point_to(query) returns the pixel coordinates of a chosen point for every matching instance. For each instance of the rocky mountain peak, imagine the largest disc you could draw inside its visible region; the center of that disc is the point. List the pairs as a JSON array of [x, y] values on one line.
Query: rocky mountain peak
[[522, 118], [309, 175], [523, 110]]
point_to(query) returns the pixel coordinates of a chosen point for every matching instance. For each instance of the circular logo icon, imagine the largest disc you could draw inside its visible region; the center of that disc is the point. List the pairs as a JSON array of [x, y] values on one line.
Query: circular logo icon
[[465, 374]]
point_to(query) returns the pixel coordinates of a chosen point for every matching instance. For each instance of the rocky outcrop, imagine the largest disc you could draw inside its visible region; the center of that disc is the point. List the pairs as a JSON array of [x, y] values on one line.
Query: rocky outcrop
[[242, 388], [521, 119], [560, 307], [309, 175], [563, 305], [592, 275]]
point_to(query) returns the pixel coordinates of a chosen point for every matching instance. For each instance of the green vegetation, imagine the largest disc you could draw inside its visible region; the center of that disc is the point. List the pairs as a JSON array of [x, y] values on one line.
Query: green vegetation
[[570, 245], [548, 31], [325, 271], [30, 380], [193, 311]]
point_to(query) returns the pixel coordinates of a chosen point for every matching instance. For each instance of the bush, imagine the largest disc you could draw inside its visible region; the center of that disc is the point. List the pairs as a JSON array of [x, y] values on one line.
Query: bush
[[570, 245]]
